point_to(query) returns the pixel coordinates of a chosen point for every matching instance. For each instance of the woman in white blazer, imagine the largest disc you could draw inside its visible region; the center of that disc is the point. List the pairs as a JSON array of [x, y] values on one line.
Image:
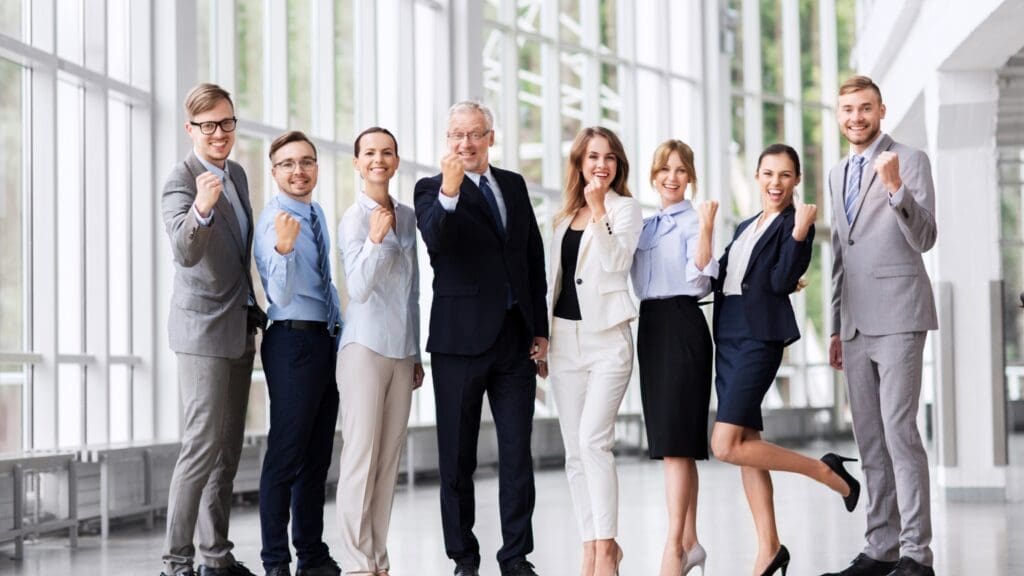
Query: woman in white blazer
[[591, 353]]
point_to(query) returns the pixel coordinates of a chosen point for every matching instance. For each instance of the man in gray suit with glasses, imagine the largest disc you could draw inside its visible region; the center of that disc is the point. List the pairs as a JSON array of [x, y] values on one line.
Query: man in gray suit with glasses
[[212, 326], [883, 220]]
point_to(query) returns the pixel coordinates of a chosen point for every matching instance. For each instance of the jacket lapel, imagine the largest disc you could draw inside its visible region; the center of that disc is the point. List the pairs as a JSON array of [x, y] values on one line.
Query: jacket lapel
[[765, 238], [867, 179], [472, 192], [243, 196], [222, 207], [837, 183], [512, 205]]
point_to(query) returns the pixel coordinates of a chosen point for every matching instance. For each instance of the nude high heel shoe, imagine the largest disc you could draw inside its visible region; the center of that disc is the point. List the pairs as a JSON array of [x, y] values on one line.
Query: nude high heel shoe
[[696, 556]]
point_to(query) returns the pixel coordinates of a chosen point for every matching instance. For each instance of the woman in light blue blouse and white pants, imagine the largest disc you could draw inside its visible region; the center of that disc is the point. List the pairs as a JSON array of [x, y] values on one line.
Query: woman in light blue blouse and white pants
[[379, 363], [672, 270]]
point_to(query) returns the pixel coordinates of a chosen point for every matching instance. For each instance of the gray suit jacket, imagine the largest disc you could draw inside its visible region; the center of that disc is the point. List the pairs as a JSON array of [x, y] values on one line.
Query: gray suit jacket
[[879, 283], [211, 266]]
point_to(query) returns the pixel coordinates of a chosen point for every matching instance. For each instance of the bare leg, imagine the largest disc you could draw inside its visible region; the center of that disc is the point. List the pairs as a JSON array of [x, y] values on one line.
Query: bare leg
[[608, 554], [680, 474], [690, 528], [589, 554]]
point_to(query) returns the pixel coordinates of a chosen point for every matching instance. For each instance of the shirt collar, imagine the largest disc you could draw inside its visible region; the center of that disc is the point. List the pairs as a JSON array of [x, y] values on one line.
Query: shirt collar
[[370, 204], [677, 208], [476, 177], [300, 209], [221, 173], [869, 152]]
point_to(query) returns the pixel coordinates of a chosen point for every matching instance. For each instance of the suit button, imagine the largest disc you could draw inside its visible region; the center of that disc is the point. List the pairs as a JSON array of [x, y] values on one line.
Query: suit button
[[851, 241], [579, 281]]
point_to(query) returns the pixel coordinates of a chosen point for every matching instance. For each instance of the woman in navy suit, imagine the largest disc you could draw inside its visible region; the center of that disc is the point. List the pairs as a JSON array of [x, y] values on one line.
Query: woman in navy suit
[[753, 323]]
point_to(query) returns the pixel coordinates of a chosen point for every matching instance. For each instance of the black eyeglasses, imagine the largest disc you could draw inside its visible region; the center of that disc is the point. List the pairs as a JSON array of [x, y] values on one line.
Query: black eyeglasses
[[227, 125]]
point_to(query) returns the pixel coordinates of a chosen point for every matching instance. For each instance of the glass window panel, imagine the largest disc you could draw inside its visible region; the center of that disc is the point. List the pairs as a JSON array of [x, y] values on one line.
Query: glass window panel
[[650, 26], [686, 105], [771, 47], [611, 101], [684, 26], [203, 16], [12, 385], [810, 49], [571, 75], [70, 228], [427, 107], [819, 278], [494, 86], [256, 421], [70, 402], [774, 123], [812, 162], [492, 10], [251, 154], [344, 196], [741, 184], [10, 24], [344, 75], [120, 229], [249, 74], [120, 402], [70, 31], [846, 35], [12, 227], [569, 20], [531, 102], [606, 23], [118, 48], [530, 13], [300, 103], [1013, 319], [648, 124], [736, 61]]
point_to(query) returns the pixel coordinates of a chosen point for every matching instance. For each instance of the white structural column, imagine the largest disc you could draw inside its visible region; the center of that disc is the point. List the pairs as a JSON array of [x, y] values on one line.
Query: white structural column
[[960, 112], [719, 43]]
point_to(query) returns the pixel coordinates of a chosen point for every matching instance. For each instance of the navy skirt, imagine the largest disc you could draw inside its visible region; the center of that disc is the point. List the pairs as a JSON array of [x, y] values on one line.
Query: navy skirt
[[745, 367]]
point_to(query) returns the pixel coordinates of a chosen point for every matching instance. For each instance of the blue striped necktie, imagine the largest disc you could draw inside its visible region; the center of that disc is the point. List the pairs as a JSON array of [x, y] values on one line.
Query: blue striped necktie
[[853, 185], [333, 318]]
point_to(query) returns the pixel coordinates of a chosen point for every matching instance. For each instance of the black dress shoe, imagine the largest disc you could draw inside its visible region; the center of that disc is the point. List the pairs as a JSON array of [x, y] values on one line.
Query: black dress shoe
[[328, 568], [864, 565], [188, 572], [835, 462], [780, 562], [466, 570], [519, 567], [279, 570], [910, 567], [236, 569]]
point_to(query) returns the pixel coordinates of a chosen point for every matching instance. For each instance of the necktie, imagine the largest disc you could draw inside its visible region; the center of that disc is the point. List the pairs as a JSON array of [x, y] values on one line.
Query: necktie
[[492, 202], [333, 318], [853, 185]]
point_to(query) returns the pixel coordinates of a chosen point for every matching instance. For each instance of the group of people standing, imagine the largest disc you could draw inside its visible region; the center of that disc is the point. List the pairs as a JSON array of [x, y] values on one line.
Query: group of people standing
[[499, 319]]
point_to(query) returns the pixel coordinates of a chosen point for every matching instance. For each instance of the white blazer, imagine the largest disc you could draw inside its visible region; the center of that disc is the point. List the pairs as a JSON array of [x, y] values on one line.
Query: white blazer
[[602, 264]]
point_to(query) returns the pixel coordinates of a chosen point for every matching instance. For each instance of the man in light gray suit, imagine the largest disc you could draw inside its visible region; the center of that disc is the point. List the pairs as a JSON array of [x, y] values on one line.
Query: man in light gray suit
[[883, 201], [212, 325]]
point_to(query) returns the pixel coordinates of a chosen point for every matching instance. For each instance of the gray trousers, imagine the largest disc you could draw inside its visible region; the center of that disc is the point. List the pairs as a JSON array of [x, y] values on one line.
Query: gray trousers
[[215, 394], [883, 375]]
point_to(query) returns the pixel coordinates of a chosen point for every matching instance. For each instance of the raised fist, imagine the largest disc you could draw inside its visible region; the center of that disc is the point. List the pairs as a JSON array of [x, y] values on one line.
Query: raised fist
[[452, 173], [594, 193], [208, 190], [707, 210], [287, 229], [805, 216], [887, 166], [381, 220]]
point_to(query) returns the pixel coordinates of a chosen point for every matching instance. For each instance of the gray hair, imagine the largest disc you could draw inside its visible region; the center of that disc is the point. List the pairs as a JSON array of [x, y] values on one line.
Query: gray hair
[[473, 106]]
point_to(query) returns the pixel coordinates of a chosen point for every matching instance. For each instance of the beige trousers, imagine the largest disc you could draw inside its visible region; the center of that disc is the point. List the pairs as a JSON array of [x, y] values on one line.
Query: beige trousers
[[376, 395]]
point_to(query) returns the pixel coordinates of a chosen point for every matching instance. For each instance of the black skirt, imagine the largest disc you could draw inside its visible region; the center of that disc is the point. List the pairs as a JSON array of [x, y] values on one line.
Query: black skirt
[[674, 353], [745, 367]]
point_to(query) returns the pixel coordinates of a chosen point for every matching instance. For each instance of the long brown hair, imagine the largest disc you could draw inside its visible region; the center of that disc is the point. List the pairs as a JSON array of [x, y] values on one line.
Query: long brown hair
[[574, 182]]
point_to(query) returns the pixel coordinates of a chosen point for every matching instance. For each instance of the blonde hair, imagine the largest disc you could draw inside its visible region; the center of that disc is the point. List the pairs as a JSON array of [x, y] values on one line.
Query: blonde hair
[[857, 83], [665, 150], [574, 182], [204, 97]]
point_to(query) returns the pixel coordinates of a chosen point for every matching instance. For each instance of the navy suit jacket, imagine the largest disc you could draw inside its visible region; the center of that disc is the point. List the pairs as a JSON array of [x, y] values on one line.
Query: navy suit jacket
[[776, 265], [474, 263]]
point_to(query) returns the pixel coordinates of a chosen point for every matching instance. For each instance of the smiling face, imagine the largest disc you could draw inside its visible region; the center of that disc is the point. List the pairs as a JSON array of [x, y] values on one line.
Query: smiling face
[[214, 148], [599, 161], [860, 117], [671, 180], [777, 178], [300, 182], [377, 160], [473, 153]]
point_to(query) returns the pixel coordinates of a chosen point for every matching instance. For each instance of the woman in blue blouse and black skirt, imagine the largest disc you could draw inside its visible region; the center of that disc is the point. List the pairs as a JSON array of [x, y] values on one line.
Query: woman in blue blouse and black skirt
[[753, 323], [672, 270]]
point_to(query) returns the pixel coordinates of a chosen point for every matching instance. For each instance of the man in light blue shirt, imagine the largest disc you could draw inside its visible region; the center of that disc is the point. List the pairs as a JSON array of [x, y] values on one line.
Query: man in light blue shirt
[[299, 355]]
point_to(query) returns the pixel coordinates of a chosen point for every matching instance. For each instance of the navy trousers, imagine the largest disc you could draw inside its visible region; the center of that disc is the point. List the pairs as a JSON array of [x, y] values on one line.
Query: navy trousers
[[508, 377], [299, 366]]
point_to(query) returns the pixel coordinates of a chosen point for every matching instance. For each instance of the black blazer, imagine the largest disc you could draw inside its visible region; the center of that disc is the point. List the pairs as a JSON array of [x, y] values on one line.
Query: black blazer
[[474, 262], [776, 265]]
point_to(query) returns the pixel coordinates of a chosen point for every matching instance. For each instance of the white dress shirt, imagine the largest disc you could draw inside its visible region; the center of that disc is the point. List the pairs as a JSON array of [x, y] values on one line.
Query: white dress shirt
[[739, 255], [450, 202], [383, 282]]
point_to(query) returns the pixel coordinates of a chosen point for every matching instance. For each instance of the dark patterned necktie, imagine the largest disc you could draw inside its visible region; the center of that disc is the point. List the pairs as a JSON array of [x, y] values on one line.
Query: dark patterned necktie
[[324, 265]]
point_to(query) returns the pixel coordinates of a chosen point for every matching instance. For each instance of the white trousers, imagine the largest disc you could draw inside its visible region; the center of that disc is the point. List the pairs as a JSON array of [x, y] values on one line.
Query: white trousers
[[589, 373], [375, 394]]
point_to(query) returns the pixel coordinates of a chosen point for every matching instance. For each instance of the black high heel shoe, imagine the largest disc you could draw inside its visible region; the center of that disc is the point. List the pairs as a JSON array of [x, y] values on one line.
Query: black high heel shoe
[[835, 462], [780, 562]]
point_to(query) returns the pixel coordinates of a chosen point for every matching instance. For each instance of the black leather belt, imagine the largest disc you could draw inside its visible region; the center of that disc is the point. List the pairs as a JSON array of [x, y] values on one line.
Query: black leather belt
[[307, 325]]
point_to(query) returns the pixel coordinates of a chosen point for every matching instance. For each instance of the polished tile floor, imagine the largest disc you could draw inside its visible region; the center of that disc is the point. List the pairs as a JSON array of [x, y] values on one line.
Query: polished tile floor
[[970, 539]]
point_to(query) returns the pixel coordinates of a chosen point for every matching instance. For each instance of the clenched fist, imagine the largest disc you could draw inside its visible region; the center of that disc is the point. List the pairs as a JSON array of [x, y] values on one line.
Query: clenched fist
[[805, 215], [452, 173], [706, 211], [208, 190], [287, 229], [594, 193], [887, 166], [381, 220]]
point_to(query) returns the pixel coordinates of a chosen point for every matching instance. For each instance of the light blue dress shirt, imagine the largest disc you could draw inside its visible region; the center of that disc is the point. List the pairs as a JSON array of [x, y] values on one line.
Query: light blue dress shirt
[[383, 282], [292, 281], [663, 264]]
